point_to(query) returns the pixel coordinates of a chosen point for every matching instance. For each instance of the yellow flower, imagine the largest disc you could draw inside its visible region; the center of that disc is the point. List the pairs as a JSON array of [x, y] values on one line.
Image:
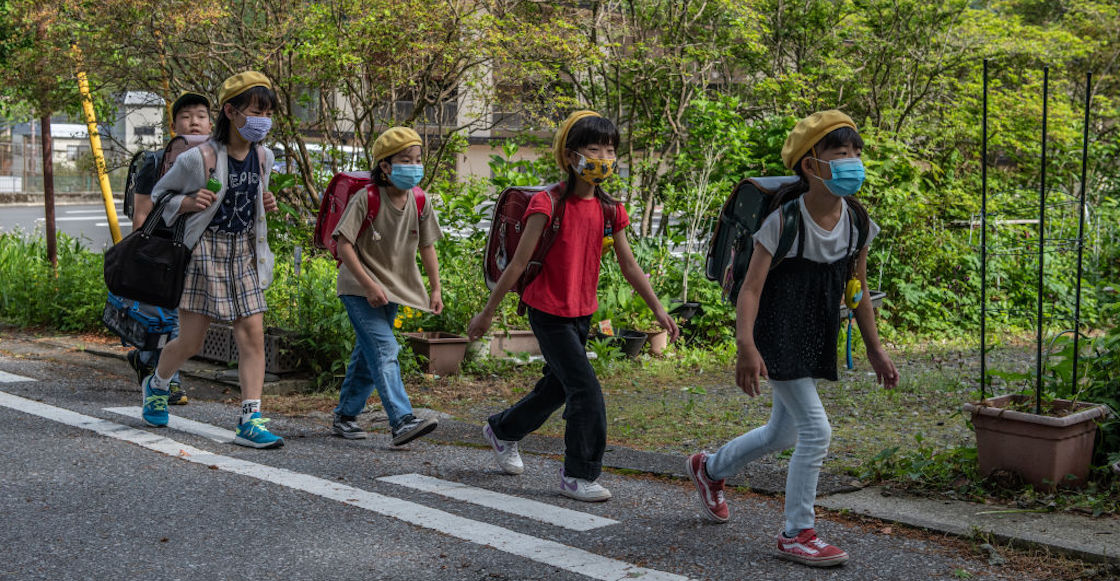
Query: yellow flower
[[397, 323]]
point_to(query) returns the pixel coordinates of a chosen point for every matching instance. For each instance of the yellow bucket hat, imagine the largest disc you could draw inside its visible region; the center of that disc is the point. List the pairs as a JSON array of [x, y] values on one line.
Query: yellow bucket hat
[[393, 141], [809, 131], [240, 83], [562, 135]]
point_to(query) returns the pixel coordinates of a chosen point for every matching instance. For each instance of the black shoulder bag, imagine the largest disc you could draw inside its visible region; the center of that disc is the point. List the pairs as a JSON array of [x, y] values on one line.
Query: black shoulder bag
[[150, 264]]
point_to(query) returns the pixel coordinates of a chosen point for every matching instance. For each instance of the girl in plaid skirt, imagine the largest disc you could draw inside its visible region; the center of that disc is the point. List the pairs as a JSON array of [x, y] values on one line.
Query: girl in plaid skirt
[[231, 264]]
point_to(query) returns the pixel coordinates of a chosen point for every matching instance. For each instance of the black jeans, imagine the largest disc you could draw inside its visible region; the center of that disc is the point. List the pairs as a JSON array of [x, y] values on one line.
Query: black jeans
[[568, 380]]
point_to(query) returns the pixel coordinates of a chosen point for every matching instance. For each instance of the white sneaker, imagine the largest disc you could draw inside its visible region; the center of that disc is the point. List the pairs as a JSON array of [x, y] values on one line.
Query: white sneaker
[[580, 489], [505, 452]]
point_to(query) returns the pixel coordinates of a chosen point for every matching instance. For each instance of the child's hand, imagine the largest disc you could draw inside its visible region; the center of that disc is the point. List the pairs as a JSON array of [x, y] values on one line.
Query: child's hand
[[479, 325], [201, 200], [270, 204], [669, 325], [748, 367], [435, 302], [885, 371], [375, 296]]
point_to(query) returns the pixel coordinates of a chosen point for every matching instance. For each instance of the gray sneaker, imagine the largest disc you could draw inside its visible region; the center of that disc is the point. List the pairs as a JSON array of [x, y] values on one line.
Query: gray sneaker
[[412, 427], [347, 428]]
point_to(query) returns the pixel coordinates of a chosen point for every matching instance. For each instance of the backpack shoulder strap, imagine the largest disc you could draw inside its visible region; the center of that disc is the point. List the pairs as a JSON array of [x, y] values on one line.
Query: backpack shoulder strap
[[790, 220], [863, 224], [610, 213], [209, 159], [421, 200], [373, 202]]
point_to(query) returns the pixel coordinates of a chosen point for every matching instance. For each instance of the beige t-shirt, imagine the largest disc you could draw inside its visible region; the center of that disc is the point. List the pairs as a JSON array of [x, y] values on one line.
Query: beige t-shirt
[[387, 249]]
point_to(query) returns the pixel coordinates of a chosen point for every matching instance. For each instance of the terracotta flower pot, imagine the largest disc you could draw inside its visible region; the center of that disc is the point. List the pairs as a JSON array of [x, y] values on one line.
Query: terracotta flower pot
[[658, 340], [443, 352], [1047, 451]]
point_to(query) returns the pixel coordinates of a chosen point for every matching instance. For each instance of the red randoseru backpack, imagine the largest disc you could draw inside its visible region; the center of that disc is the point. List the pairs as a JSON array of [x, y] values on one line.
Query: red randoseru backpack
[[343, 186]]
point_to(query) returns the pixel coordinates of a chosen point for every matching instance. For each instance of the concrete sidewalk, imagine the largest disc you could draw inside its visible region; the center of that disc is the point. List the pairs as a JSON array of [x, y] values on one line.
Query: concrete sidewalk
[[1080, 536]]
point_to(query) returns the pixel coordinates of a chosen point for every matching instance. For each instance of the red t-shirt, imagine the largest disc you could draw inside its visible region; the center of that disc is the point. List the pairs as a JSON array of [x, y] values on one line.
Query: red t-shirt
[[569, 276]]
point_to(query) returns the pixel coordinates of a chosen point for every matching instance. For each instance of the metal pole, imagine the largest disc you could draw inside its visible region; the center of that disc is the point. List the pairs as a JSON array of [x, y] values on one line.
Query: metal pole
[[1081, 228], [984, 241], [48, 191], [1041, 243], [95, 145]]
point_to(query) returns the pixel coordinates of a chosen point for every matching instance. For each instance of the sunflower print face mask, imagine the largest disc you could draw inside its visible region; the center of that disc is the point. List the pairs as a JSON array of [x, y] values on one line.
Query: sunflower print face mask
[[594, 171]]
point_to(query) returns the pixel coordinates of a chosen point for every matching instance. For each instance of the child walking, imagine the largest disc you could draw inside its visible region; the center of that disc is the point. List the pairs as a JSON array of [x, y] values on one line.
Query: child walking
[[787, 323], [560, 302], [231, 264], [190, 117], [378, 273]]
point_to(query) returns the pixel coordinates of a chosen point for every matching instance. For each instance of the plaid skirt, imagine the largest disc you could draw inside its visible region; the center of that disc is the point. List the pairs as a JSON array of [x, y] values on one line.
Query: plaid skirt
[[221, 280]]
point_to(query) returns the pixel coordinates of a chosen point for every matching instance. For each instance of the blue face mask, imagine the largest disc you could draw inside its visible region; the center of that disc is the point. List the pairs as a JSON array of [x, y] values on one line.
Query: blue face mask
[[406, 176], [847, 176], [255, 128]]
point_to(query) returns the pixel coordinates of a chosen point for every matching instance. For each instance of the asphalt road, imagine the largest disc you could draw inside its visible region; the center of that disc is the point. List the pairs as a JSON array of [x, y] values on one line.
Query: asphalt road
[[89, 493], [86, 222]]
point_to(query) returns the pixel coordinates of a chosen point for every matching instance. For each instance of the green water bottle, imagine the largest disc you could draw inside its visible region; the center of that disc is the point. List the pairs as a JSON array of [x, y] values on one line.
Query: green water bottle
[[213, 184]]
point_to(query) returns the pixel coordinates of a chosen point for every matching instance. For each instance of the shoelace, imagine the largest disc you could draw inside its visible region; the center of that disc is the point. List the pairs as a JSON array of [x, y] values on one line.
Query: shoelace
[[256, 424], [157, 402]]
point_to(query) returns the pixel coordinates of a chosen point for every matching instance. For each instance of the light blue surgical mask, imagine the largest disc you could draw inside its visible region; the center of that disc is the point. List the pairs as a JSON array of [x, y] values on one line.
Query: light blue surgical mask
[[255, 128], [406, 176], [847, 176]]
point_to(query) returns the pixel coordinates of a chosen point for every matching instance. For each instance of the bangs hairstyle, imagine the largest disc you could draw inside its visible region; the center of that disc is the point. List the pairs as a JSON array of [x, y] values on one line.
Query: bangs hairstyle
[[835, 138], [378, 175], [591, 131], [264, 97]]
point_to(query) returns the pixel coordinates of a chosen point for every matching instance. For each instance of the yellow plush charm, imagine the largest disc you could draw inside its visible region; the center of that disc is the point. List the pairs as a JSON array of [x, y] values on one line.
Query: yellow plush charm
[[853, 293], [608, 244]]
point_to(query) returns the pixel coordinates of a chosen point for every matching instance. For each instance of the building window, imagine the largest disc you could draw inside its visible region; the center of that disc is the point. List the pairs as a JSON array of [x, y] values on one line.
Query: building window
[[145, 131]]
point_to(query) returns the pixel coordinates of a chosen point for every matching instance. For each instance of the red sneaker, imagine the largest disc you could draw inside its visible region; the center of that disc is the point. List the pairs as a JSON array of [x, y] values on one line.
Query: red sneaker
[[807, 549], [711, 492]]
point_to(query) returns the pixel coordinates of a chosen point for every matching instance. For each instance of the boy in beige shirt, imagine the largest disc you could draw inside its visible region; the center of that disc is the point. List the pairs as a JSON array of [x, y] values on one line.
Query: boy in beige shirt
[[378, 273]]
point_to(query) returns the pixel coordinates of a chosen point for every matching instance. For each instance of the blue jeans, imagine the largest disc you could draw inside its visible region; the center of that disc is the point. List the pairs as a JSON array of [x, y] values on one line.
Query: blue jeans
[[569, 381], [797, 418], [373, 364], [151, 358]]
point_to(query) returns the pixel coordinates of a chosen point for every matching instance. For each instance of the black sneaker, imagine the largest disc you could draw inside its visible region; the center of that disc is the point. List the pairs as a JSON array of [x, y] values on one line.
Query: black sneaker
[[142, 371], [412, 427], [346, 427], [177, 395]]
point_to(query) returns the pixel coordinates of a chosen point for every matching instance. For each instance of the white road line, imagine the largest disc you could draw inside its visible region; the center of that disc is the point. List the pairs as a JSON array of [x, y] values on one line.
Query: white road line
[[120, 223], [183, 425], [73, 218], [540, 550], [6, 377], [546, 513], [101, 211]]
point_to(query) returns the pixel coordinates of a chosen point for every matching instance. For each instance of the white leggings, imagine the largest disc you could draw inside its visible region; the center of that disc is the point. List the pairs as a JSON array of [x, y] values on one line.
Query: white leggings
[[797, 418]]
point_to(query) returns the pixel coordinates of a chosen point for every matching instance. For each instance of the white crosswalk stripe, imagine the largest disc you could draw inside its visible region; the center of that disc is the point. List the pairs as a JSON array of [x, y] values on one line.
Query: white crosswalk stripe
[[6, 377], [536, 549], [212, 432], [539, 511]]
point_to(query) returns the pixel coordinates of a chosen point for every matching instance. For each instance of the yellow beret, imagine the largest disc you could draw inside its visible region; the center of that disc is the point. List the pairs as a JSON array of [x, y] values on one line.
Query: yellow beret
[[393, 141], [240, 83], [811, 130], [562, 135]]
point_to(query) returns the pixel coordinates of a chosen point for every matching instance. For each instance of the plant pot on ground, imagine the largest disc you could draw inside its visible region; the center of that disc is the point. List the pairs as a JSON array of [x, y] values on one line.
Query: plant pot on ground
[[1049, 450], [514, 341], [658, 340], [441, 352]]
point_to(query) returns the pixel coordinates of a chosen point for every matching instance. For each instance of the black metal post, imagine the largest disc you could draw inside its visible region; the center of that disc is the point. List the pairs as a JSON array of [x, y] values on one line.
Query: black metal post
[[1081, 229], [1041, 243], [984, 241]]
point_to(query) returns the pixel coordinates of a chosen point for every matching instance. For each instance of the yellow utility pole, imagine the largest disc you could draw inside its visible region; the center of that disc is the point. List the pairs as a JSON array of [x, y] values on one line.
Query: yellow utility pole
[[95, 145]]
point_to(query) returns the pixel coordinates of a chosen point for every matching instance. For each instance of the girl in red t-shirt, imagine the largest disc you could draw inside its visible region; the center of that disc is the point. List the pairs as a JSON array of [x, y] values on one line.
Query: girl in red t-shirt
[[561, 300]]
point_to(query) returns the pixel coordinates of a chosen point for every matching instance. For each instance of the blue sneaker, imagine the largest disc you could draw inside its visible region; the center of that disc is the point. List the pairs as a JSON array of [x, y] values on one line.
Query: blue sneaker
[[254, 435], [155, 404]]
